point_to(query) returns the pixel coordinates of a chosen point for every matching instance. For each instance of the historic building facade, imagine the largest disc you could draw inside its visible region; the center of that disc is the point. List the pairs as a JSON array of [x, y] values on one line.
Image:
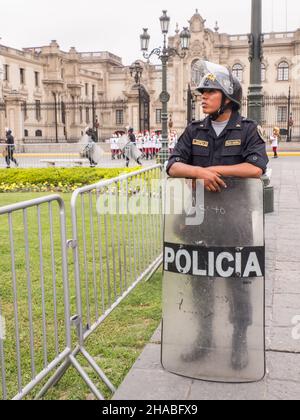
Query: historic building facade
[[50, 95]]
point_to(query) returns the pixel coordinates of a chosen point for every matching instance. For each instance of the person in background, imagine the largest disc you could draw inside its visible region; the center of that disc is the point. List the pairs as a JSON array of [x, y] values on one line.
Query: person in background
[[89, 149], [131, 150], [10, 141], [275, 141]]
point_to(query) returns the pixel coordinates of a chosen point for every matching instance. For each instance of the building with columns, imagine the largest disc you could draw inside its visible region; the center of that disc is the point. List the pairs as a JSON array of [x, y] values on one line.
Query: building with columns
[[50, 95]]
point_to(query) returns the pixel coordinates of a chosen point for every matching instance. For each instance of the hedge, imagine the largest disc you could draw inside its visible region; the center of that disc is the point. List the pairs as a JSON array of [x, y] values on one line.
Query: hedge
[[54, 179]]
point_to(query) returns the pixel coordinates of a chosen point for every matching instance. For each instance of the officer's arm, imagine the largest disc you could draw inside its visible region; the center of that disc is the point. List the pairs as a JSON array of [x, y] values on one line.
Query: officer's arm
[[244, 170], [182, 157], [181, 170], [180, 164], [254, 151]]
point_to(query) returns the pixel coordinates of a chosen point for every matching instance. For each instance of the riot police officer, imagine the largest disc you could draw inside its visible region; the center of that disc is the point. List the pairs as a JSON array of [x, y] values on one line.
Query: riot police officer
[[131, 151], [223, 145]]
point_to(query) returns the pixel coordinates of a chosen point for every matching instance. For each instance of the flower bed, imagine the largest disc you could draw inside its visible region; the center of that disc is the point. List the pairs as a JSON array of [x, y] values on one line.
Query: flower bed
[[54, 179]]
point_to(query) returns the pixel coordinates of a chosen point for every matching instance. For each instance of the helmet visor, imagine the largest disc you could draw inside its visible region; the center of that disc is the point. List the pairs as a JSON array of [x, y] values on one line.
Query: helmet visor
[[215, 76]]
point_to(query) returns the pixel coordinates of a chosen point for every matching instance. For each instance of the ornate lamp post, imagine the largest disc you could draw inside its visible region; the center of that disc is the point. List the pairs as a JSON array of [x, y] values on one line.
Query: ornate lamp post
[[290, 118], [164, 54], [256, 39], [136, 71]]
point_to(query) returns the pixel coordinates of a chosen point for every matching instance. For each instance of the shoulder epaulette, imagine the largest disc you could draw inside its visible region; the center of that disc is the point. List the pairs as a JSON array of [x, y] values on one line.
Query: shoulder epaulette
[[248, 120], [197, 122]]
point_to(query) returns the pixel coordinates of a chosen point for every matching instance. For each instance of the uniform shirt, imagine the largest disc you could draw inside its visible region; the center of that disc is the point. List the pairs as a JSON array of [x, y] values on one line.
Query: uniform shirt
[[132, 138], [240, 142], [9, 139]]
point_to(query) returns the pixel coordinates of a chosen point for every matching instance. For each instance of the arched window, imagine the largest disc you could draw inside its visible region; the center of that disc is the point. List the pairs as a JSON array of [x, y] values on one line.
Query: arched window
[[263, 72], [26, 134], [196, 73], [238, 71], [38, 133], [283, 71]]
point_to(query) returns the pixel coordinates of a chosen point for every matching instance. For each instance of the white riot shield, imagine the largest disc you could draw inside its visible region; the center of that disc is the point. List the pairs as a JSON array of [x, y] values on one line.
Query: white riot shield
[[122, 142], [132, 152], [214, 288], [129, 149]]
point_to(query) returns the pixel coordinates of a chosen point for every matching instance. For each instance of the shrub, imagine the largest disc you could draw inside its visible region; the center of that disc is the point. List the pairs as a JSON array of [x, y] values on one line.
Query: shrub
[[54, 179]]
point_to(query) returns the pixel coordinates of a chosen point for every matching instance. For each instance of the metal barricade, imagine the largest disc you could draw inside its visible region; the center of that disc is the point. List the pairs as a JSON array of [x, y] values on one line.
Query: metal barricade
[[117, 243], [34, 299]]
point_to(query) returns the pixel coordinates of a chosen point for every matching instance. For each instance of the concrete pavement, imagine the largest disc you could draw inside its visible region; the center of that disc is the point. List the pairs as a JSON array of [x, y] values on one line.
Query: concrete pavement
[[148, 381]]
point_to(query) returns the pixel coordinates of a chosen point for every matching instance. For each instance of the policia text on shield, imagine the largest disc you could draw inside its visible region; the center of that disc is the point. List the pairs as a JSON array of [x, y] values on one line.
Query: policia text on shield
[[213, 323]]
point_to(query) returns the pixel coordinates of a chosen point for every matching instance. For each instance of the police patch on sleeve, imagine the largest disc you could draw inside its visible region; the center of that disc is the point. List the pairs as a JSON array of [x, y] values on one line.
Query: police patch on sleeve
[[261, 133]]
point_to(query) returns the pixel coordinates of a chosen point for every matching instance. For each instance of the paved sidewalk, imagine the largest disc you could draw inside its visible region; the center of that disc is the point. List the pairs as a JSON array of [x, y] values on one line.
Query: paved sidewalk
[[286, 149], [148, 381]]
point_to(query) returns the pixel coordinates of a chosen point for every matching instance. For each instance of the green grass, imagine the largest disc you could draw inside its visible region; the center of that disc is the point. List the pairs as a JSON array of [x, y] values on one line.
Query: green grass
[[120, 339]]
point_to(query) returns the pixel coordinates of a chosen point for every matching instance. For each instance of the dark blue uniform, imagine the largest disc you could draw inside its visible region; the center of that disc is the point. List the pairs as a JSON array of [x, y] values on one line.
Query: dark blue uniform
[[240, 142]]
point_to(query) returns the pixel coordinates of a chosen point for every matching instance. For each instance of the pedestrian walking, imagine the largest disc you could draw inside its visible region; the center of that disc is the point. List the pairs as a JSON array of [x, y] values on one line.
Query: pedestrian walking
[[128, 143], [10, 149], [89, 147]]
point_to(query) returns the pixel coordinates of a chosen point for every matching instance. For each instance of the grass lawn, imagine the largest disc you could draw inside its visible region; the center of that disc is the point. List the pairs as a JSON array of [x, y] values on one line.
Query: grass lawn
[[120, 339]]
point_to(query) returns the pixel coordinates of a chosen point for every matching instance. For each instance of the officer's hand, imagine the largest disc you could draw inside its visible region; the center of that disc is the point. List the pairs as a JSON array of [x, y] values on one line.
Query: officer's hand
[[212, 180]]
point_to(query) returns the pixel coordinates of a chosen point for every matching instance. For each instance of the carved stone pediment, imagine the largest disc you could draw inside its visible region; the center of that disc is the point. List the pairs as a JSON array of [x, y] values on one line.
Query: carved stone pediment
[[197, 23], [197, 47]]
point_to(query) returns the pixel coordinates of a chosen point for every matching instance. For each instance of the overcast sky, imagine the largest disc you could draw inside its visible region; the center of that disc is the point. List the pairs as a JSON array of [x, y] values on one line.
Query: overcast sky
[[115, 25]]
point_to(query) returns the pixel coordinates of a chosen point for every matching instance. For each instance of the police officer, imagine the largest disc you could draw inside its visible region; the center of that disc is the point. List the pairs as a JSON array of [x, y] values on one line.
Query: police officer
[[10, 141], [90, 146], [131, 149], [223, 145]]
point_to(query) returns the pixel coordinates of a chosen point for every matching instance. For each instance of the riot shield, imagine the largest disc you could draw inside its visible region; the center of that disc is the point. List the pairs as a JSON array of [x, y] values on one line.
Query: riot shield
[[132, 152], [123, 142], [129, 149], [213, 286]]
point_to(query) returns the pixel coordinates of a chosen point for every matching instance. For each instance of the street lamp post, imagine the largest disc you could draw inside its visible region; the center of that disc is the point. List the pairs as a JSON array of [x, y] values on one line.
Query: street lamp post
[[290, 118], [136, 71], [255, 96], [94, 112], [164, 54], [55, 117]]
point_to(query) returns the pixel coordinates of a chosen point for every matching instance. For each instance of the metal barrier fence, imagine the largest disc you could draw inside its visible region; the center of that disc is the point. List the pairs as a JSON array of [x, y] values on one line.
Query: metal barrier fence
[[117, 227], [34, 308], [114, 250], [117, 242]]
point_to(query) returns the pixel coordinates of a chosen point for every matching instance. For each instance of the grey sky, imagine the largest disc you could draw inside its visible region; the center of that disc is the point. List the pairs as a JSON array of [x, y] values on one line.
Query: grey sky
[[115, 25]]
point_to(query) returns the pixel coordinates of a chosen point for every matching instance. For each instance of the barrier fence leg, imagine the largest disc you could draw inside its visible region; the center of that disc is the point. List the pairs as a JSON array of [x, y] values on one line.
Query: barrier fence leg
[[53, 381], [86, 379], [99, 372], [72, 361]]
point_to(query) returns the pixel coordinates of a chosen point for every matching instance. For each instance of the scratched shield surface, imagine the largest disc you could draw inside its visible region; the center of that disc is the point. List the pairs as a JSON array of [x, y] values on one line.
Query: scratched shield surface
[[213, 287]]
